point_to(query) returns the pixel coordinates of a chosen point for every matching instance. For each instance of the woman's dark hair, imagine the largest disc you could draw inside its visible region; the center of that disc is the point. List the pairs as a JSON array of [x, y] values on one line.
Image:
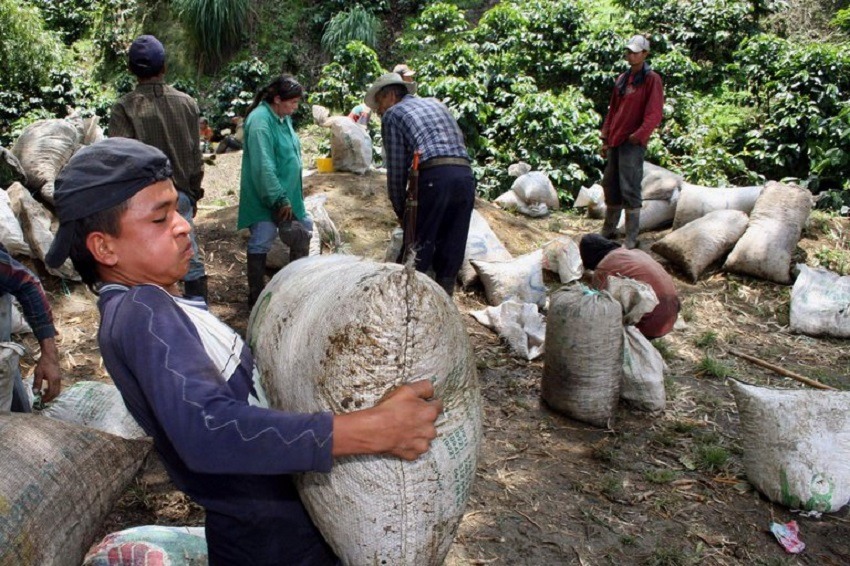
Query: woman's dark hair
[[285, 86], [107, 221]]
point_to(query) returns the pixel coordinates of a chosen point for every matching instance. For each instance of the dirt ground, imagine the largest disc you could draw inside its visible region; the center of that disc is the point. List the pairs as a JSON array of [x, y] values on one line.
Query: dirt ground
[[663, 489]]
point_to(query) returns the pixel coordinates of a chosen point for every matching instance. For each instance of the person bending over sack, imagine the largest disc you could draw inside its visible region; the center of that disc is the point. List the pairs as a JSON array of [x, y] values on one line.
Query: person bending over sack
[[190, 381], [607, 258]]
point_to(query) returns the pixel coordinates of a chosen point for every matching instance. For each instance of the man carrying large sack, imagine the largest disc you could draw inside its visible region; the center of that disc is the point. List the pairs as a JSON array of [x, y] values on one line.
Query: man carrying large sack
[[190, 381], [634, 111], [446, 187]]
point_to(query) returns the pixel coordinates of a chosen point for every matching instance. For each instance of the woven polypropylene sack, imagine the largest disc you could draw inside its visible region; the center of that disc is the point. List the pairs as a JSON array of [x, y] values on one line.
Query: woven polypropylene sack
[[58, 482], [696, 201], [698, 244], [520, 279], [351, 146], [96, 405], [643, 372], [336, 333], [151, 545], [658, 183], [654, 214], [43, 148], [483, 244], [36, 221], [11, 234], [796, 445], [583, 363], [820, 303], [535, 187], [776, 223]]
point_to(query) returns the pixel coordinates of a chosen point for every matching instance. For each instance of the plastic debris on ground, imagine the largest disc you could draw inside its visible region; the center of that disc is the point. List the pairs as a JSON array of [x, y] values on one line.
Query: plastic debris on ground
[[788, 536]]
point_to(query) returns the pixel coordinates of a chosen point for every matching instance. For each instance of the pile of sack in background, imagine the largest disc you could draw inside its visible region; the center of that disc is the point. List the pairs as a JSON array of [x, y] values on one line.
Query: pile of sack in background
[[531, 194], [351, 146], [27, 175]]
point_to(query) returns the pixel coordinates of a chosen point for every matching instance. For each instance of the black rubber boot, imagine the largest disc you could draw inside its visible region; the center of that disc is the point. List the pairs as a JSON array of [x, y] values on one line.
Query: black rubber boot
[[196, 288], [632, 228], [448, 284], [612, 218], [256, 277]]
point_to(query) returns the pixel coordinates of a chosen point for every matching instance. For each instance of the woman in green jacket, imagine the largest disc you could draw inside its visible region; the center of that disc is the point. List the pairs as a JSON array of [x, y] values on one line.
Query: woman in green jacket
[[271, 199]]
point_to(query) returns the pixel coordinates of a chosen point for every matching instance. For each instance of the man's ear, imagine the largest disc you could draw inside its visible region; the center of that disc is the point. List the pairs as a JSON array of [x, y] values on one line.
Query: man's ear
[[100, 245]]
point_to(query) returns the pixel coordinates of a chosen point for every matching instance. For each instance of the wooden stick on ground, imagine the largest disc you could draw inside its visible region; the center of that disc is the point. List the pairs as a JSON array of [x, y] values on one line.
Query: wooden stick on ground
[[782, 371]]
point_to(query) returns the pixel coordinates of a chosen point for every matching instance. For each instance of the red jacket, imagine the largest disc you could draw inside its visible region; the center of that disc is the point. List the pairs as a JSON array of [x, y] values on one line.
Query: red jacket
[[638, 111], [638, 265]]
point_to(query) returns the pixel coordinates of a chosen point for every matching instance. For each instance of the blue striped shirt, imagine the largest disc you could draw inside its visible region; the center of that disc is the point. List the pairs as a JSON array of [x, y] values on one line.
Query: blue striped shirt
[[20, 282], [416, 123]]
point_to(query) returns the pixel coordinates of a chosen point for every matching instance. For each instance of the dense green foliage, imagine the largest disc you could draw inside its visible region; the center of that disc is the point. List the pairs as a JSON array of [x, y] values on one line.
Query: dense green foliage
[[749, 95]]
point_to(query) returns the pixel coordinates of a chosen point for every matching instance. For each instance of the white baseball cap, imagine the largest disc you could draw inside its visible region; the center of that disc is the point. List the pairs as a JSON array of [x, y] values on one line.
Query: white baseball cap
[[637, 44]]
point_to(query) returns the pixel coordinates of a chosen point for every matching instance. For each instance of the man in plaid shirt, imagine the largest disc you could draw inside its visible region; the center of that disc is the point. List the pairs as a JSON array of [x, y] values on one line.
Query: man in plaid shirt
[[446, 185], [162, 116]]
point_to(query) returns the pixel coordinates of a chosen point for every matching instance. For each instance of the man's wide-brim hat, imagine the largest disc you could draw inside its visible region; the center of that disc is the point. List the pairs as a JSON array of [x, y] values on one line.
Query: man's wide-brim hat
[[384, 81]]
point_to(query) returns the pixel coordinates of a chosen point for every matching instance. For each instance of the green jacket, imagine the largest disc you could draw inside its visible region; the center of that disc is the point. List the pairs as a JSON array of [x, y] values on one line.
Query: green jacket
[[271, 168]]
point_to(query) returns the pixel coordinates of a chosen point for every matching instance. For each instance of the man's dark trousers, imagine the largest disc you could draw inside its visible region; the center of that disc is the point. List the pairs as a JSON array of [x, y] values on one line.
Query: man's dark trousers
[[446, 197]]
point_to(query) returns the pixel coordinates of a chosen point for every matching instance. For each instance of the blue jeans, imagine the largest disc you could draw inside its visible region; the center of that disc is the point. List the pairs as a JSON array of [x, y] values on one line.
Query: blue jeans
[[196, 265], [264, 232], [15, 385]]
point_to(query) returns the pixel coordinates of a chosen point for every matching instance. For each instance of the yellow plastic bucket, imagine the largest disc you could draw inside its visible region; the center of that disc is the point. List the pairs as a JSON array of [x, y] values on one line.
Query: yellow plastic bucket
[[325, 164]]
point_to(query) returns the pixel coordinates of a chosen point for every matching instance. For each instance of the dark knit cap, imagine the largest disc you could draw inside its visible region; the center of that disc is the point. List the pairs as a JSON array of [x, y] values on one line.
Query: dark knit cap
[[593, 249], [98, 177], [147, 56]]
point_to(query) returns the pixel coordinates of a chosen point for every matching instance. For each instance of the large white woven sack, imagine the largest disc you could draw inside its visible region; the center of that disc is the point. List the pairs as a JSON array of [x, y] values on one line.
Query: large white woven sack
[[336, 333], [654, 214], [796, 445], [519, 280], [43, 148], [58, 482], [583, 362], [96, 405], [36, 223], [351, 146], [643, 372], [535, 187], [658, 183], [11, 234], [696, 201], [776, 223], [483, 244], [820, 303], [698, 244]]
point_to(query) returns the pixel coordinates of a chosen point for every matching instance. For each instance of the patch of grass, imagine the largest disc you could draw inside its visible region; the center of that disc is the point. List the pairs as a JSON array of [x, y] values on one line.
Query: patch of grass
[[664, 348], [711, 457], [687, 312], [612, 486], [683, 427], [628, 540], [714, 368], [706, 339], [667, 556], [665, 504], [555, 225], [604, 453], [660, 476], [819, 223], [826, 378], [837, 260], [664, 438]]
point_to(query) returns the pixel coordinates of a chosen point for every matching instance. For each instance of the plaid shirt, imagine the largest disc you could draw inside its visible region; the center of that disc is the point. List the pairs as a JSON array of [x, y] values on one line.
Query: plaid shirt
[[164, 117], [416, 123], [19, 281]]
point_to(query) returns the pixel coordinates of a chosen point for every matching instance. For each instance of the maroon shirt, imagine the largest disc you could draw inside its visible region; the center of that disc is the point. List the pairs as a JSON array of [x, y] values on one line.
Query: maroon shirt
[[638, 265], [638, 111]]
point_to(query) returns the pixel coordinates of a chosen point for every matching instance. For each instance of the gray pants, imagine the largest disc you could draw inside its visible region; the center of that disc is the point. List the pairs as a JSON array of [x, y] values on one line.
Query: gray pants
[[13, 394], [623, 175]]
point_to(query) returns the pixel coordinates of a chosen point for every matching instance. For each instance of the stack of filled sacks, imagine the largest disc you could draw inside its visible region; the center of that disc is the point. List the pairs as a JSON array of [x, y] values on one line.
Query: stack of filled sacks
[[27, 175], [660, 190], [711, 222]]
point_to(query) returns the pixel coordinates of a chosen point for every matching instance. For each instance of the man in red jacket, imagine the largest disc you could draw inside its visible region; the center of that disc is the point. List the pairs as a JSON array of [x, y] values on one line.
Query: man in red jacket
[[634, 112]]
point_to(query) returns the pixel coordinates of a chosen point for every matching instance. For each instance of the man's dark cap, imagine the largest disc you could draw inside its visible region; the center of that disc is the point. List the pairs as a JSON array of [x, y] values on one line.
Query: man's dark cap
[[147, 56], [98, 177]]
